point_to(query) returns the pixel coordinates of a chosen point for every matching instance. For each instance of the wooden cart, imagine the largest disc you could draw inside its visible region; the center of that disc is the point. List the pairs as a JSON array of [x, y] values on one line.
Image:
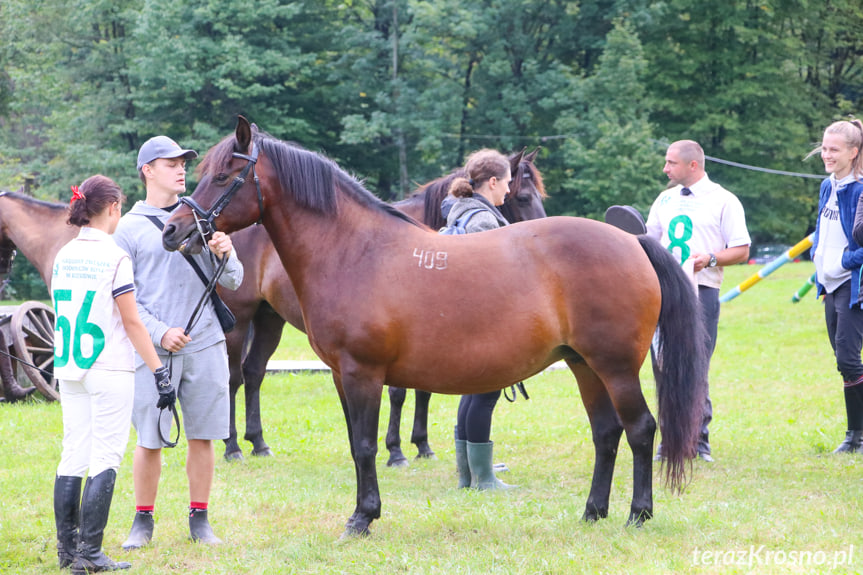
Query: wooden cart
[[29, 332]]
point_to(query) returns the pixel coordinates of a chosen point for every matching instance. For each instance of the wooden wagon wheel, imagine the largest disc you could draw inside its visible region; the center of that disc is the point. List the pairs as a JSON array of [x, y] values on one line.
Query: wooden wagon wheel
[[33, 332]]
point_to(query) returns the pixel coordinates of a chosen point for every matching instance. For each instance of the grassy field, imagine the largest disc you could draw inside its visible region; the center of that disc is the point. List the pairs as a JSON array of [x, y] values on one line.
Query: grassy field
[[775, 500]]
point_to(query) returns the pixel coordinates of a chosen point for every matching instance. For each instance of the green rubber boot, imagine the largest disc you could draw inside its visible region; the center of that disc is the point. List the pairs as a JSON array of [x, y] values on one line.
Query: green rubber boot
[[462, 464], [479, 457]]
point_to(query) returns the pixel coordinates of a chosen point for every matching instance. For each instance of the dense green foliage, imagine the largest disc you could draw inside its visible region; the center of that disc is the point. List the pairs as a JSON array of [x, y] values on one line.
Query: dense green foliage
[[399, 91]]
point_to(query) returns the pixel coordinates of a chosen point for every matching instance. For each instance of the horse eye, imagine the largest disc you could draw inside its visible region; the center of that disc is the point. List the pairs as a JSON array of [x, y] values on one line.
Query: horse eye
[[221, 178]]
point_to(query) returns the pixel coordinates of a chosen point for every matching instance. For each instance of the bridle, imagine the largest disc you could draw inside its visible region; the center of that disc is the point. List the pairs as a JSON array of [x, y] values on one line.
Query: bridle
[[204, 218]]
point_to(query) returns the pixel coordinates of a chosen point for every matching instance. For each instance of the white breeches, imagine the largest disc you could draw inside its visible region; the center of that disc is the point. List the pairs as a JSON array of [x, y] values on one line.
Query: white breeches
[[97, 417]]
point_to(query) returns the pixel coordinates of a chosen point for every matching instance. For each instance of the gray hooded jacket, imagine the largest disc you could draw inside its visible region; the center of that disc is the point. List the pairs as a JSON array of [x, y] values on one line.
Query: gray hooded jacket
[[490, 218], [167, 289]]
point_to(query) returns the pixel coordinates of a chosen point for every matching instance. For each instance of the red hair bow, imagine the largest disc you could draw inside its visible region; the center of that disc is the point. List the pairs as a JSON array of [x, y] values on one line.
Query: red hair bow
[[76, 195]]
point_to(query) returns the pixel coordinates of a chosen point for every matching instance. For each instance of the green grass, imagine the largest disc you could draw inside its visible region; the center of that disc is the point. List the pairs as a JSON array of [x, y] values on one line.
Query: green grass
[[774, 488]]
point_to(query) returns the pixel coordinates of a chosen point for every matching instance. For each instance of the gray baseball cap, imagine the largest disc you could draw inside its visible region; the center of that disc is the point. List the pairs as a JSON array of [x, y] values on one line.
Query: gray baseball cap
[[162, 147]]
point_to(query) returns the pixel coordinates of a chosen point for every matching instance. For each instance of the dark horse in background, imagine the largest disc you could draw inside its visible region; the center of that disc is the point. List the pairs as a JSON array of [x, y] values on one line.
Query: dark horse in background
[[266, 301], [575, 290]]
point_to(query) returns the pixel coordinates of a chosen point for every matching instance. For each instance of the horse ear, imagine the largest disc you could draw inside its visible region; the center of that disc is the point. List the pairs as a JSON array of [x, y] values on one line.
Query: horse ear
[[243, 133], [515, 159], [529, 158]]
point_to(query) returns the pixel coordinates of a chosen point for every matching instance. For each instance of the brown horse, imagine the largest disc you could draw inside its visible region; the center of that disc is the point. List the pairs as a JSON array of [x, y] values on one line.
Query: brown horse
[[386, 301], [267, 300], [38, 229]]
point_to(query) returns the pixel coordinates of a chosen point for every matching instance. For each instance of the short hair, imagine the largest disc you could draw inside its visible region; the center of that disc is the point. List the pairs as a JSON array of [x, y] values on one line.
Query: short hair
[[690, 151]]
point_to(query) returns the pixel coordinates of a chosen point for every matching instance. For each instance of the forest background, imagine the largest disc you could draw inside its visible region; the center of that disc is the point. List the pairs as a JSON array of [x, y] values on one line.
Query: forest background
[[398, 92]]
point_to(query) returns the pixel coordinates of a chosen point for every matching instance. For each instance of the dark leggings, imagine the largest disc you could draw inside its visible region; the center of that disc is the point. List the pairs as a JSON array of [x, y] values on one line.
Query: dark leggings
[[474, 416], [845, 331]]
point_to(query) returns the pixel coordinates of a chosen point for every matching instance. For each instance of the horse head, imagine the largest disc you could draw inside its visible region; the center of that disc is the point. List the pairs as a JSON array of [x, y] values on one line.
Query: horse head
[[526, 190], [226, 172]]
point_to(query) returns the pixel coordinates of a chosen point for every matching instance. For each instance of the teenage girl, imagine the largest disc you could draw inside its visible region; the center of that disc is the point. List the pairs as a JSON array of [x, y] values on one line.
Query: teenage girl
[[96, 328], [838, 258], [484, 188]]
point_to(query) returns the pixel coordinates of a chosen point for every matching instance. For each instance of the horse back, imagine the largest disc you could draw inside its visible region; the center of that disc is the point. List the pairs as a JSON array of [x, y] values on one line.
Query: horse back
[[502, 304]]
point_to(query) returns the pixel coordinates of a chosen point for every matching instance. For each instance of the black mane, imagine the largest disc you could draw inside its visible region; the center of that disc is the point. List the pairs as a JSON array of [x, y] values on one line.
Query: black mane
[[315, 181]]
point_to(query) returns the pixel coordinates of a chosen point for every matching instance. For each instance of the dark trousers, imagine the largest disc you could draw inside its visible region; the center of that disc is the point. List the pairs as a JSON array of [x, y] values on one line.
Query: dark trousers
[[845, 330], [474, 416], [709, 298]]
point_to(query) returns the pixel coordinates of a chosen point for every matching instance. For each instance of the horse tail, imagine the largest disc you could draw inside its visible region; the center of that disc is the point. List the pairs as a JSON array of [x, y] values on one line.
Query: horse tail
[[680, 363]]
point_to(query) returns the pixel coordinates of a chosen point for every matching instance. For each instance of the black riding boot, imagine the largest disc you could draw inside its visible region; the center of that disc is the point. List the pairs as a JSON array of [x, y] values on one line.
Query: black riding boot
[[854, 412], [67, 502], [199, 528], [95, 505]]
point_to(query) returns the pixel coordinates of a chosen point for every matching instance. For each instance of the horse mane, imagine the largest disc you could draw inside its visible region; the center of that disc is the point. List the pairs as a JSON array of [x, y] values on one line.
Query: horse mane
[[30, 200], [313, 179], [433, 194]]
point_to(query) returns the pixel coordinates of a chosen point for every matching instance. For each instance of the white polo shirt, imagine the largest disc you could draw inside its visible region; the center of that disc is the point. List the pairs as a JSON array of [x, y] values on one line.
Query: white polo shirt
[[706, 221], [89, 272]]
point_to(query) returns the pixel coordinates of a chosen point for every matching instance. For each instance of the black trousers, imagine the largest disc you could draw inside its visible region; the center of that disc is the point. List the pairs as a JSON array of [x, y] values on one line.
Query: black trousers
[[845, 330], [474, 416], [709, 299]]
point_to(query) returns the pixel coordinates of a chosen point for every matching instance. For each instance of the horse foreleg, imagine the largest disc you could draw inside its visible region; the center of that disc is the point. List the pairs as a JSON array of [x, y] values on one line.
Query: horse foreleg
[[268, 328], [361, 393], [606, 430], [394, 442], [420, 434]]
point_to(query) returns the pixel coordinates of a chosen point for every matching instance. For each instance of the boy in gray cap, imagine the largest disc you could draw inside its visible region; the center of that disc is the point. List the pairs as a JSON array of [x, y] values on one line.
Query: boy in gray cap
[[168, 289]]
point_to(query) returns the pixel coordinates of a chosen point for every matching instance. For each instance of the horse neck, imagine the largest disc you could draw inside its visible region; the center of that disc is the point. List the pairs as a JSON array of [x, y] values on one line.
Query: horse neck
[[413, 206], [38, 231], [313, 246]]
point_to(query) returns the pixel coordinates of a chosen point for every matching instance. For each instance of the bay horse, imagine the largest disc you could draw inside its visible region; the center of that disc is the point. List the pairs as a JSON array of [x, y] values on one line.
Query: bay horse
[[266, 301], [387, 301], [37, 228]]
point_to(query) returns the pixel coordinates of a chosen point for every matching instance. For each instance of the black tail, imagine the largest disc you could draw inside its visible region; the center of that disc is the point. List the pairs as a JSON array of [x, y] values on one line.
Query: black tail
[[680, 363]]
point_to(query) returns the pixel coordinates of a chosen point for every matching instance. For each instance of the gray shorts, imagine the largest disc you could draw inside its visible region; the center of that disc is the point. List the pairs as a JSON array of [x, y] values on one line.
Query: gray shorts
[[201, 381]]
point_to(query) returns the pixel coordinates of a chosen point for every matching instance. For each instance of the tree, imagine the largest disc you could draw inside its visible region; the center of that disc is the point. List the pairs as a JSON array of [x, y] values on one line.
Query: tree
[[610, 155]]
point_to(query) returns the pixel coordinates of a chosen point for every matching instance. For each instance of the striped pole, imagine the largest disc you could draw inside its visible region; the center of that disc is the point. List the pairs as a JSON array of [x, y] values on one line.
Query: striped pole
[[768, 269], [804, 289]]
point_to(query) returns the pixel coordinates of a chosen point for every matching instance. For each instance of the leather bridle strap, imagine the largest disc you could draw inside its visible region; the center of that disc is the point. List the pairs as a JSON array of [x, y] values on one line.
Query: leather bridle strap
[[204, 218]]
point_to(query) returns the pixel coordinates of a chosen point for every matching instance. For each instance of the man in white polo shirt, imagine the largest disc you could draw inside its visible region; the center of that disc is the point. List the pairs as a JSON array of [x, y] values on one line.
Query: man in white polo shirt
[[703, 225]]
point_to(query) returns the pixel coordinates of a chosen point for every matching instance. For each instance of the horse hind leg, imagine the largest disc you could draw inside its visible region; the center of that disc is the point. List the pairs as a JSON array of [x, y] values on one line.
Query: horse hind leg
[[268, 327], [234, 343], [606, 430], [420, 434], [622, 393], [393, 441]]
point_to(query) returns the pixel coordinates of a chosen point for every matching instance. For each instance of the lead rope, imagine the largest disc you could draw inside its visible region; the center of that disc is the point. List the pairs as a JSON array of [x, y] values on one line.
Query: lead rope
[[193, 319]]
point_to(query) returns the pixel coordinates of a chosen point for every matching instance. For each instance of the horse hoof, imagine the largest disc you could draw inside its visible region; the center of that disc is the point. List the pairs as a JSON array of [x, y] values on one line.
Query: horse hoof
[[266, 452], [398, 462], [234, 456], [637, 520], [352, 533], [427, 455], [594, 515]]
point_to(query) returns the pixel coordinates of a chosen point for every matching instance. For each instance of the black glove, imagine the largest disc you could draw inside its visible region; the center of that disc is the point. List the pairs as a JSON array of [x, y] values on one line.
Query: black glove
[[167, 395]]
